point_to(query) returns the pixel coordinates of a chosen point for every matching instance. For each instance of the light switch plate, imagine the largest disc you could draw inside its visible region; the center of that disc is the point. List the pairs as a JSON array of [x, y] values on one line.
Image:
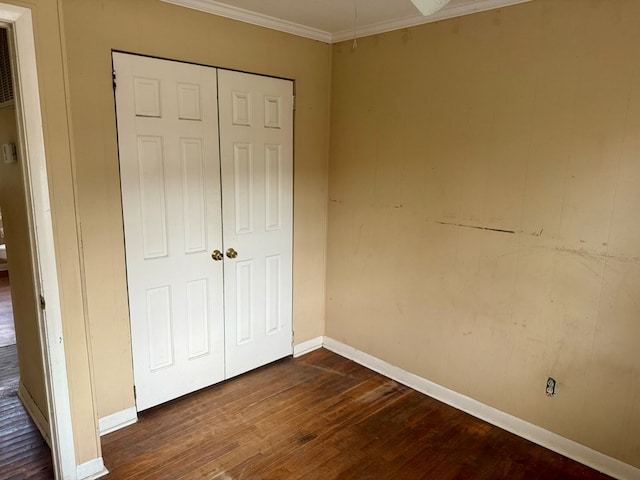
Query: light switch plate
[[9, 153]]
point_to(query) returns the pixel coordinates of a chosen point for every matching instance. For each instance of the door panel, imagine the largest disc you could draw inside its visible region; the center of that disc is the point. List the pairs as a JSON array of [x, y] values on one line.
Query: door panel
[[153, 215], [193, 186], [273, 189], [256, 151], [170, 180], [243, 188]]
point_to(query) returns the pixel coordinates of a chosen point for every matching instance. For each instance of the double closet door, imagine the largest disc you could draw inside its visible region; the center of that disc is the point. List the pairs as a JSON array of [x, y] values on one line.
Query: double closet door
[[206, 159]]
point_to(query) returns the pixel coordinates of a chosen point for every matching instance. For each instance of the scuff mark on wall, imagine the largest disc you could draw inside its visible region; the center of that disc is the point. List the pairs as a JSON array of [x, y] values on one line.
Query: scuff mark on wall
[[591, 255], [478, 227], [582, 252]]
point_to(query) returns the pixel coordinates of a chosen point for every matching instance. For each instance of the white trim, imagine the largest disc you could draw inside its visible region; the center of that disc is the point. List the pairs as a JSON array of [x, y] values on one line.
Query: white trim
[[585, 455], [92, 469], [35, 169], [308, 346], [118, 420], [34, 412], [255, 18]]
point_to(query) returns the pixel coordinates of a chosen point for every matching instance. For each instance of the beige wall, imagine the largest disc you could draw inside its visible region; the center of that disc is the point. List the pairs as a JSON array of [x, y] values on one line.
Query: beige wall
[[92, 29], [23, 295], [525, 119]]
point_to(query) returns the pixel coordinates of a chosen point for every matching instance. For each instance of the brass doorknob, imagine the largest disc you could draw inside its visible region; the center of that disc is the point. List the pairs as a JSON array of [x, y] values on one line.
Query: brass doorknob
[[217, 255], [231, 253]]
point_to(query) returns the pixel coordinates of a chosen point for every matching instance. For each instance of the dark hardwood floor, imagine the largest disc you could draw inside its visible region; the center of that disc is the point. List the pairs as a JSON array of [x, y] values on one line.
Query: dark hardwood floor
[[322, 417], [23, 453]]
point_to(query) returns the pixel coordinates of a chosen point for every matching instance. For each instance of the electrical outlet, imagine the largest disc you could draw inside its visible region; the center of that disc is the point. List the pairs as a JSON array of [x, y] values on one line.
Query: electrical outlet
[[551, 387]]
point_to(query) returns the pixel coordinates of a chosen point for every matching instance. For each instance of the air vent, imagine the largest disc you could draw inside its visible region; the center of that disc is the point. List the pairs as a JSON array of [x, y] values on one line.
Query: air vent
[[6, 83]]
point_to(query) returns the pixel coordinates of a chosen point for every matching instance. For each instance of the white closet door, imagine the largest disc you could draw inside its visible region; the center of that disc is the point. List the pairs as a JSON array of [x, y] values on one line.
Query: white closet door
[[170, 178], [256, 151]]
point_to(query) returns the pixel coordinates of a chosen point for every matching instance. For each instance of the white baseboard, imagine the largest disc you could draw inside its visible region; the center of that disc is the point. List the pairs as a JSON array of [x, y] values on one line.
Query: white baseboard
[[585, 455], [118, 420], [91, 470], [308, 346], [87, 471], [35, 413]]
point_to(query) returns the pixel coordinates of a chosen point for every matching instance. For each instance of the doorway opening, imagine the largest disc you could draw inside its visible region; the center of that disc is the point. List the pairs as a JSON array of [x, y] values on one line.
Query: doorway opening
[[31, 162], [23, 398], [7, 329]]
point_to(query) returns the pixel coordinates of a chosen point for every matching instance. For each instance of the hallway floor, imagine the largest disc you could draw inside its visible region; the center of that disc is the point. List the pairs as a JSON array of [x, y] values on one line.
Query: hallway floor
[[23, 452]]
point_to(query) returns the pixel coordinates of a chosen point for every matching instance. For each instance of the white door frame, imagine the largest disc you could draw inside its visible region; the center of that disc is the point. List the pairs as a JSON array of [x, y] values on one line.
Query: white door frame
[[43, 248]]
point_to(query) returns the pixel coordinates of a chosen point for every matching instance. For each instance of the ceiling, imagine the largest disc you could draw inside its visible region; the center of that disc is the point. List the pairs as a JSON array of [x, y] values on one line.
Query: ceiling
[[334, 20]]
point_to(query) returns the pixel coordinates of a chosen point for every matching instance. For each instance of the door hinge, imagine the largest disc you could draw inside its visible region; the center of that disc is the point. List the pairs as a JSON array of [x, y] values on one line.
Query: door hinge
[[294, 103], [135, 394], [113, 76], [43, 304]]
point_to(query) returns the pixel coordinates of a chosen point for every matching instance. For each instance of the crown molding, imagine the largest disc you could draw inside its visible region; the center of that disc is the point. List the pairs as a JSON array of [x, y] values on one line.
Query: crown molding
[[254, 18], [450, 11]]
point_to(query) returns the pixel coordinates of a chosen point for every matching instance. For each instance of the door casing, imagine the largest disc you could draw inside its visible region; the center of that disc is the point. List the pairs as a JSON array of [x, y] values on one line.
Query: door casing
[[31, 139]]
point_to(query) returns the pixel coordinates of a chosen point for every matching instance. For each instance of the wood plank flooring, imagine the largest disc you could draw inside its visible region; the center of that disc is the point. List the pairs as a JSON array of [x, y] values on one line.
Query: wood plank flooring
[[24, 455], [23, 452], [322, 417]]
